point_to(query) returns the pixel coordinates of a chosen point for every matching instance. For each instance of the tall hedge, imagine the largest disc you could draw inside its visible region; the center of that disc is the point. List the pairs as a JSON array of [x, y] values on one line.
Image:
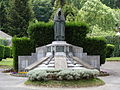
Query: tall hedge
[[21, 46], [1, 52], [75, 33], [95, 46], [7, 52], [115, 40], [3, 42], [43, 33], [109, 49]]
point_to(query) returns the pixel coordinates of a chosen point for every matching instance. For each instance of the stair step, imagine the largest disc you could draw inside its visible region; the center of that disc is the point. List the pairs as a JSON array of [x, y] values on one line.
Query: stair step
[[76, 67], [51, 65]]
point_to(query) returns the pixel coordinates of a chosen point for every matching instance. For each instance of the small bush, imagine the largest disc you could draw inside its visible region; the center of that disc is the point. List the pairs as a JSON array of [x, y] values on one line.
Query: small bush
[[1, 52], [109, 50], [61, 74], [21, 47]]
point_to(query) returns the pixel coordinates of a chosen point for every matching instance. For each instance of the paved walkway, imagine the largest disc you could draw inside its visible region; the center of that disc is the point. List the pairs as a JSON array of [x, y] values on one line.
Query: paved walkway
[[8, 82]]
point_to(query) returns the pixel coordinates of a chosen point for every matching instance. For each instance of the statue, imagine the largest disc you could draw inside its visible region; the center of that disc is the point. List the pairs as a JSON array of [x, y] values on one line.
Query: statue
[[59, 26]]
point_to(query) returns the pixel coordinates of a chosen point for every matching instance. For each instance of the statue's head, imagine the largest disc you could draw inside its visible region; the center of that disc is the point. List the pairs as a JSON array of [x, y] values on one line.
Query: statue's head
[[59, 15]]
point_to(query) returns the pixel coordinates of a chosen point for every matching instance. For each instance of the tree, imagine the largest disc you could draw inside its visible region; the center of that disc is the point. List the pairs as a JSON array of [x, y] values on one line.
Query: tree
[[69, 10], [42, 9], [77, 3], [59, 3], [112, 3], [97, 14], [3, 16], [117, 15], [20, 15]]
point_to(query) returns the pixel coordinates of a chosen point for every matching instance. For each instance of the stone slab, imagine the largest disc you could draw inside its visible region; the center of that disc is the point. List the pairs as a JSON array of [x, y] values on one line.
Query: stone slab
[[60, 62]]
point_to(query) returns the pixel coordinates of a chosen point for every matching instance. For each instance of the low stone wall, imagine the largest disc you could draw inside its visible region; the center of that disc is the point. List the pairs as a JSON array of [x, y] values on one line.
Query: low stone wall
[[92, 60], [25, 61]]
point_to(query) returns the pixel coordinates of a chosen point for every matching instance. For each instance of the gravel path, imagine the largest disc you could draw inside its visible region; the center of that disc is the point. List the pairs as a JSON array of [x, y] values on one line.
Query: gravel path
[[8, 82]]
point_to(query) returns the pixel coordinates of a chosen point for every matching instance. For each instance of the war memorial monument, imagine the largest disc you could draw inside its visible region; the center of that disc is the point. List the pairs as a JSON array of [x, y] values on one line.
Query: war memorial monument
[[59, 54]]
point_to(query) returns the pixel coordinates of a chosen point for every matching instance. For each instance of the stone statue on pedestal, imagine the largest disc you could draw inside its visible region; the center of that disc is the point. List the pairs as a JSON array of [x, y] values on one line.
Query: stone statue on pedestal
[[59, 26]]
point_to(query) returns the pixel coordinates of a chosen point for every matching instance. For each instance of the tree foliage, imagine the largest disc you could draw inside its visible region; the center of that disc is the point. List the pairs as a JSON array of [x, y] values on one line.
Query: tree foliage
[[3, 15], [96, 13], [20, 15], [112, 3], [42, 9], [77, 3]]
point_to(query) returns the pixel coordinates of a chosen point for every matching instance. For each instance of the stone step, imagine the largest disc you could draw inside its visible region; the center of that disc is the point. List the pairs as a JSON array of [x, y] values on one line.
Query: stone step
[[51, 65], [76, 67], [44, 68], [69, 62], [51, 62]]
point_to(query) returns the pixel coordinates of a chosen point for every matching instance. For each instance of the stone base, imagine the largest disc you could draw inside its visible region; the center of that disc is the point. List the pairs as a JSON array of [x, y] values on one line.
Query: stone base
[[59, 49]]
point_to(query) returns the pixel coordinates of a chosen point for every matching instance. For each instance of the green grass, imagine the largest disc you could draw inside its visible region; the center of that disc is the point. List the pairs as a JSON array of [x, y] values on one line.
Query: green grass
[[6, 63], [113, 59], [72, 84]]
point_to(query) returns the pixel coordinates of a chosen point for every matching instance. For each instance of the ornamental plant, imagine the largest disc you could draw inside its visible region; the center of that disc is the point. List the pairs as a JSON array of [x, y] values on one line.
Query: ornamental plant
[[62, 74]]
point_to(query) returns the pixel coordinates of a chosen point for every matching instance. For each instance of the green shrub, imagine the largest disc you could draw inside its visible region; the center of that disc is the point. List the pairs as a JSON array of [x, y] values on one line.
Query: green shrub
[[7, 52], [1, 52], [62, 74], [43, 33], [11, 54], [95, 46], [115, 40], [21, 46], [75, 32], [3, 42], [109, 50]]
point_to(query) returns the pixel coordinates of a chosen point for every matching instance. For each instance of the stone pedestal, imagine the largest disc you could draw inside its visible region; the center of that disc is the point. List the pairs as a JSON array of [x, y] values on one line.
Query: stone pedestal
[[60, 55]]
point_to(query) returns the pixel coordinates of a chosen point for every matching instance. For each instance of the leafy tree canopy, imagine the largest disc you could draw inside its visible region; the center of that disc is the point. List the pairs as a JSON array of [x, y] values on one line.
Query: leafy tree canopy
[[96, 13], [42, 9]]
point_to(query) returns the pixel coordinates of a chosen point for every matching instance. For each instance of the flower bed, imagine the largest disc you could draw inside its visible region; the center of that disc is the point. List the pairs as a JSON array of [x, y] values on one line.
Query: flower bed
[[62, 74], [19, 74]]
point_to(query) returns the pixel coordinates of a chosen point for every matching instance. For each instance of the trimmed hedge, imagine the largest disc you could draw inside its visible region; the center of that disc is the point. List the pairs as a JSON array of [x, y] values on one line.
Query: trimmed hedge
[[43, 33], [75, 33], [96, 46], [109, 49], [1, 52], [21, 46], [115, 40], [7, 52], [62, 74], [3, 42]]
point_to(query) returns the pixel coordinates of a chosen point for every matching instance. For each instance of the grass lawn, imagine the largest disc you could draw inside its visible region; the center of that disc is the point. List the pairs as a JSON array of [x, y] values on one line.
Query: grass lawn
[[113, 59], [71, 84], [6, 63]]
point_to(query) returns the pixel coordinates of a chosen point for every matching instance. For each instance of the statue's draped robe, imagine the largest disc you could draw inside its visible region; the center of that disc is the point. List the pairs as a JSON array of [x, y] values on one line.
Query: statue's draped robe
[[59, 26]]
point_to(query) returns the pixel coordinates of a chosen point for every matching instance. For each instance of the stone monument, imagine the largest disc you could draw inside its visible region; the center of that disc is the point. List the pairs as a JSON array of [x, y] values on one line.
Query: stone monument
[[59, 54]]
